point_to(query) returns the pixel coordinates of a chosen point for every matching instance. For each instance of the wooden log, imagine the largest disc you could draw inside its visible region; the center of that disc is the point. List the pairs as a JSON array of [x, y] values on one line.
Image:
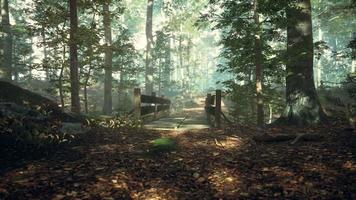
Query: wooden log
[[218, 108], [137, 103]]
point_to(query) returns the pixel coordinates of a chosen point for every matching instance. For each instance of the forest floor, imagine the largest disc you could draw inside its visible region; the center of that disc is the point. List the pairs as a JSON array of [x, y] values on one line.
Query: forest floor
[[207, 164]]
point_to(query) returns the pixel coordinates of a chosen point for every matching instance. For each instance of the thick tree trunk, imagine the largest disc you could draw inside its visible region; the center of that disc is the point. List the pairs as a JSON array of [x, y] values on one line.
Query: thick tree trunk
[[259, 67], [107, 109], [74, 74], [303, 106], [5, 70], [149, 38]]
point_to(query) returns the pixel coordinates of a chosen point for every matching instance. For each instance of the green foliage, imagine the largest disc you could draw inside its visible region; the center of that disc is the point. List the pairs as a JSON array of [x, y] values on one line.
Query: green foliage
[[238, 28], [22, 131]]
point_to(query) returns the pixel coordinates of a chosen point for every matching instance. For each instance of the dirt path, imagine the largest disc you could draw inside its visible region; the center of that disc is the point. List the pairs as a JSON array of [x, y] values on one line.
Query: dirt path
[[208, 164], [187, 119]]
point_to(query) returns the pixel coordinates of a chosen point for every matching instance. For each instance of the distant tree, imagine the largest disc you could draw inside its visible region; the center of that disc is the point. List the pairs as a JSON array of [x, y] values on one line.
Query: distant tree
[[149, 39]]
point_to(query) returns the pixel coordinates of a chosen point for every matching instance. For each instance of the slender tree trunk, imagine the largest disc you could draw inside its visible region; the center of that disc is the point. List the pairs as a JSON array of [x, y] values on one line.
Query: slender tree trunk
[[61, 95], [121, 88], [5, 70], [167, 64], [149, 38], [45, 61], [302, 103], [86, 89], [259, 67], [107, 109], [353, 64], [74, 74], [270, 113], [188, 57], [15, 61], [319, 67], [160, 76], [180, 49], [175, 66]]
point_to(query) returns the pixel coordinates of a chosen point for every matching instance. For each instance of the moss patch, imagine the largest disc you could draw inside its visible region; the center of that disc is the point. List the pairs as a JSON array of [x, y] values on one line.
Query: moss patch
[[162, 145]]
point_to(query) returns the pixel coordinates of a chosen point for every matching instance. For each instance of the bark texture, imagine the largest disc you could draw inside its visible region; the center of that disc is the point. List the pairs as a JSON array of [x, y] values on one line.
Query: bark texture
[[74, 74], [107, 109], [149, 38], [259, 67], [303, 106]]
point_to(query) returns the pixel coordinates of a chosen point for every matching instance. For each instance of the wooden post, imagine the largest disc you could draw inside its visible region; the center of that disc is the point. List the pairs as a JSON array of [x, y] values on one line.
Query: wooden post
[[155, 104], [137, 102], [218, 108], [207, 106]]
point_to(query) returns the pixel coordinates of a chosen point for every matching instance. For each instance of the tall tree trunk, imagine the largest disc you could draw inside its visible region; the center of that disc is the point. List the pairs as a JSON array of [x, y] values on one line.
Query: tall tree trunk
[[302, 103], [149, 38], [74, 74], [107, 109], [259, 67], [45, 61], [5, 70]]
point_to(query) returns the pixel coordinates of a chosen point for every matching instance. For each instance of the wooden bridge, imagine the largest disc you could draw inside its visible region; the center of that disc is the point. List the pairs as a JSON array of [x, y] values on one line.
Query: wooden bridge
[[155, 112]]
